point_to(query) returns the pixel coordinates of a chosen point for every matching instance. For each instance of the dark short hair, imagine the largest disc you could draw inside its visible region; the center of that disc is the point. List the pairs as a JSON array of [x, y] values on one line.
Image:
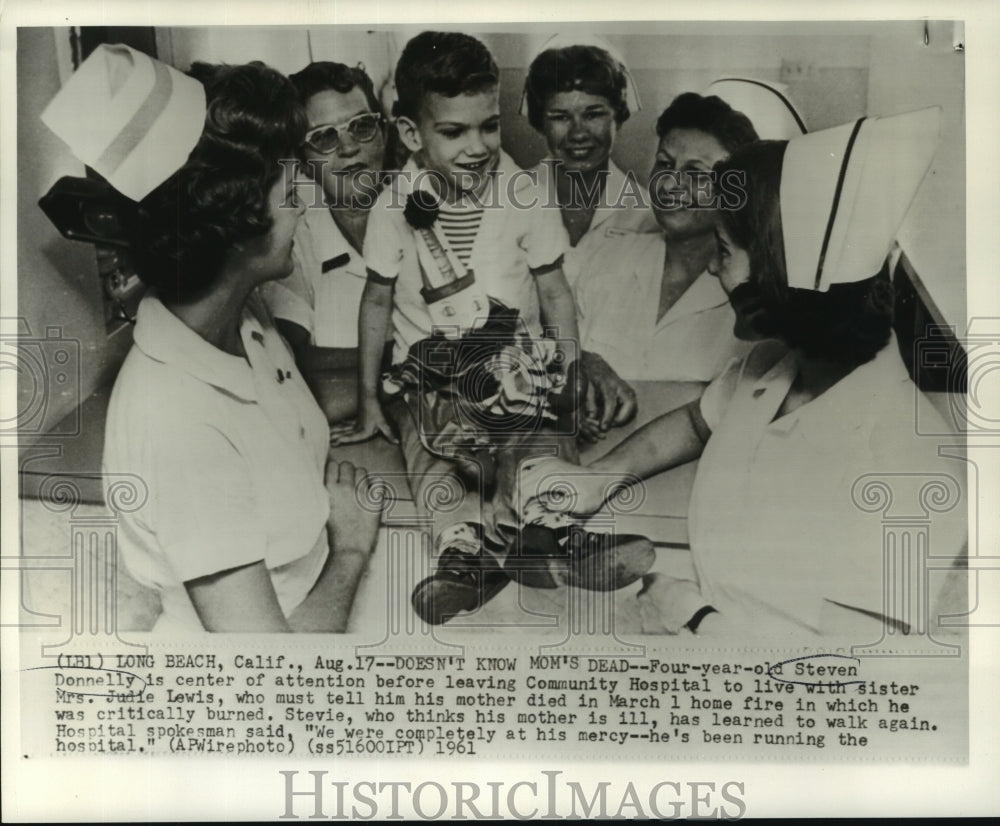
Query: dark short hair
[[711, 115], [324, 75], [447, 63], [849, 323], [184, 228], [575, 68]]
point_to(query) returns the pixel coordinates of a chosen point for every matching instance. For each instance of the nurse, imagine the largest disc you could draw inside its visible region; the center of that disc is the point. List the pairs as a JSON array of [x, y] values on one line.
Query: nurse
[[247, 526], [316, 307], [780, 538], [649, 308], [578, 93]]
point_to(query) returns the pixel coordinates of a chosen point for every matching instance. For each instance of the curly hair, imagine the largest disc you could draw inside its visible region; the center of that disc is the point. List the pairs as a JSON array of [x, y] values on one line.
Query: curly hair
[[712, 115], [324, 75], [447, 63], [587, 69], [850, 323], [184, 229]]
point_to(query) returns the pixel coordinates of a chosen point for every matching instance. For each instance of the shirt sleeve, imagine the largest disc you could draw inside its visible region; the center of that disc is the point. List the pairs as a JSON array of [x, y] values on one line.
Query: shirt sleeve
[[719, 393], [383, 248], [545, 239], [206, 515]]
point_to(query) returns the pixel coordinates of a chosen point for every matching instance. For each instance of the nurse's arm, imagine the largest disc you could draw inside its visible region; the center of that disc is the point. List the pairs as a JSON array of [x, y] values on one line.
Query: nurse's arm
[[238, 599], [672, 439], [243, 599], [329, 603], [352, 531]]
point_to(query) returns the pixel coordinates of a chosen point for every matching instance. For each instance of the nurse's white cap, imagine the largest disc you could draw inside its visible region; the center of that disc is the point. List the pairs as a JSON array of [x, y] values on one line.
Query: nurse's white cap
[[563, 41], [132, 118], [845, 192], [773, 115]]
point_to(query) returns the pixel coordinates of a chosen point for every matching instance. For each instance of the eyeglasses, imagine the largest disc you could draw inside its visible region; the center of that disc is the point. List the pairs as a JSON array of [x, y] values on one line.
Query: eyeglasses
[[326, 139]]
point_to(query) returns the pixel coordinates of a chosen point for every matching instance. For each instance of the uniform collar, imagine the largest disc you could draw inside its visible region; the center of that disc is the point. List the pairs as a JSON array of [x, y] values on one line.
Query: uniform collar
[[704, 293], [851, 404], [164, 337]]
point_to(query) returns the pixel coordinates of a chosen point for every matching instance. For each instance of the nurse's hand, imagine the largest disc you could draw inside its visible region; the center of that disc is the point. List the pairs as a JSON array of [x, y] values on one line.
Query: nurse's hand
[[667, 604], [370, 422], [609, 401], [355, 508], [563, 487]]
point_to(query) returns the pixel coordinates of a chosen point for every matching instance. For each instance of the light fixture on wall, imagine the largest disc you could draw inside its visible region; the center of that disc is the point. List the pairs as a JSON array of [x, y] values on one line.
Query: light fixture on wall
[[84, 209], [91, 210]]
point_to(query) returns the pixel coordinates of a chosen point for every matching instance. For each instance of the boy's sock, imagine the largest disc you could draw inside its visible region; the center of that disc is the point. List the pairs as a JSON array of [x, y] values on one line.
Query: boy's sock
[[464, 537]]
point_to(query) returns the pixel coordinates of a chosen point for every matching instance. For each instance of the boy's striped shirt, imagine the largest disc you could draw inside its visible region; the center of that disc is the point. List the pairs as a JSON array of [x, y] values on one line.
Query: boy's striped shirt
[[460, 228]]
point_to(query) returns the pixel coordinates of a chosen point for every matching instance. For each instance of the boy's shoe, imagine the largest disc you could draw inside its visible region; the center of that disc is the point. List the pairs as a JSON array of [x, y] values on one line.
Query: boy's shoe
[[607, 562], [535, 556], [573, 556], [462, 582]]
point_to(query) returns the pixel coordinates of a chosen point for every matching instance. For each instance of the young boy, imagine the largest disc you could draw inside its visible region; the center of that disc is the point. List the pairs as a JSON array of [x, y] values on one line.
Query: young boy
[[491, 216]]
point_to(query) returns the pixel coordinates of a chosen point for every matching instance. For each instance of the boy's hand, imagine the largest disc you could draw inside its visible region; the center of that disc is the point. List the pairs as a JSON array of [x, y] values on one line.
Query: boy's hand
[[355, 510], [609, 401], [371, 421]]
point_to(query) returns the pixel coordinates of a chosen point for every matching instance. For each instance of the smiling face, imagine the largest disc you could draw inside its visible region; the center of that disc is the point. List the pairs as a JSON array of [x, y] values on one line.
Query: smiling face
[[458, 137], [579, 130], [681, 157], [350, 170]]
